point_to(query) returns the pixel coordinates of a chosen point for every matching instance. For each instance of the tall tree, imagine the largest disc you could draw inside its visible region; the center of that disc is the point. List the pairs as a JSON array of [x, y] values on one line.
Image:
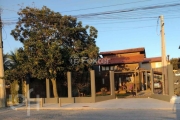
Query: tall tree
[[51, 39]]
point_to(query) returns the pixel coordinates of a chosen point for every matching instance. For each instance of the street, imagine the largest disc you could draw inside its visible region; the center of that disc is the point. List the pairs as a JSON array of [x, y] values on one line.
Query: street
[[104, 114]]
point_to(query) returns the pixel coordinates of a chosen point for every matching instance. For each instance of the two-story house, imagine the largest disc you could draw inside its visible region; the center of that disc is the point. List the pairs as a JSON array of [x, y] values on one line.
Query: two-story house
[[131, 68]]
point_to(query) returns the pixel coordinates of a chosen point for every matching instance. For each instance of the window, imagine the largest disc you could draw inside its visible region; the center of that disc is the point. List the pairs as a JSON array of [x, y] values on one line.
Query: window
[[112, 68], [115, 67], [103, 68], [107, 67]]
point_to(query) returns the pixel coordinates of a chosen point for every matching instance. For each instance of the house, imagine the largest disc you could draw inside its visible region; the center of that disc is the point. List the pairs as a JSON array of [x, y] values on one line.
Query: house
[[131, 68]]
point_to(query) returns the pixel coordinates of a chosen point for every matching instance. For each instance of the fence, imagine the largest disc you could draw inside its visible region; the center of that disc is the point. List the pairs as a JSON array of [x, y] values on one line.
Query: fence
[[81, 88], [162, 83]]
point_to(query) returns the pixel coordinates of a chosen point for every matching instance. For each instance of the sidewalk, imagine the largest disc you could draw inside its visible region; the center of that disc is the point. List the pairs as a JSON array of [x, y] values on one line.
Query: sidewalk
[[130, 103]]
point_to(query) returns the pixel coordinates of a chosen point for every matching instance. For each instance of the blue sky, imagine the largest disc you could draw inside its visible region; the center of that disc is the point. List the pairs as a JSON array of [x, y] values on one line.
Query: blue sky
[[115, 31]]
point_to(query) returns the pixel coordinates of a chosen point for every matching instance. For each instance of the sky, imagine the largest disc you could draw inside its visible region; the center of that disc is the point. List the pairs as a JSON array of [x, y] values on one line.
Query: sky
[[121, 24]]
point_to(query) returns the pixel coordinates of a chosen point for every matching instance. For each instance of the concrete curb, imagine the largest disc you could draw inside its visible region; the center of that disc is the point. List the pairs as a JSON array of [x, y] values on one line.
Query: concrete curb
[[89, 108]]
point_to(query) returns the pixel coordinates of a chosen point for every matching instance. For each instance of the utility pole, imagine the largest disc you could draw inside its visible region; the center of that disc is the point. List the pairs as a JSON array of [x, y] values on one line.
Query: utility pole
[[2, 81], [163, 54]]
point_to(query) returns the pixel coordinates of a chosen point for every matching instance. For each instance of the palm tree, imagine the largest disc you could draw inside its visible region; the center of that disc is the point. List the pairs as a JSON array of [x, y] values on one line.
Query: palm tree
[[6, 62], [10, 60], [13, 70], [13, 57]]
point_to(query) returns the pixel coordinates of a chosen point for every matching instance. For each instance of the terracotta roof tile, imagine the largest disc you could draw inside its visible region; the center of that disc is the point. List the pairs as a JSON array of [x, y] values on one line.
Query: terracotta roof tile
[[153, 59], [141, 49], [120, 60]]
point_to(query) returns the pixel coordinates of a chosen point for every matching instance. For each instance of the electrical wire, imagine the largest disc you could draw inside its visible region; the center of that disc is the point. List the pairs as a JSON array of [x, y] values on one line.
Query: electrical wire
[[106, 6], [126, 10], [134, 14], [129, 28], [5, 33]]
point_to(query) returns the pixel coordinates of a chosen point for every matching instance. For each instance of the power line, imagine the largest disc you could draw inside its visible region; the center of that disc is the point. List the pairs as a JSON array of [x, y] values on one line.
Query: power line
[[106, 6], [122, 11], [129, 28], [133, 14], [126, 10]]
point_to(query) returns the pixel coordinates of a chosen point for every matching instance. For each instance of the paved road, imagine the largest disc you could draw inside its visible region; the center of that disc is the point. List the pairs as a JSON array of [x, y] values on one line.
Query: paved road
[[115, 109], [106, 114], [137, 103]]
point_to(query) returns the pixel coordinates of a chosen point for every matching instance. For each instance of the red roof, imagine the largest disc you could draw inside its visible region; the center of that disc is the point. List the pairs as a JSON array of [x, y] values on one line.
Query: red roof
[[153, 59], [119, 60], [141, 49]]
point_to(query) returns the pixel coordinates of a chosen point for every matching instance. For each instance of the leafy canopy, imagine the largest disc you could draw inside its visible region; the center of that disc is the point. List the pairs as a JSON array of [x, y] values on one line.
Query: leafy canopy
[[50, 39]]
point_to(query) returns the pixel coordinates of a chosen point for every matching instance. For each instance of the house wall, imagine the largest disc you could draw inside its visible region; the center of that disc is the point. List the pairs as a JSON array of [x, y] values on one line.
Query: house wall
[[124, 66], [148, 66]]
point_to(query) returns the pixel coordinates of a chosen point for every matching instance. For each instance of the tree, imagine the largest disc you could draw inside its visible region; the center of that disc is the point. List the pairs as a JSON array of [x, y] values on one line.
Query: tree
[[16, 66], [6, 62], [50, 40], [176, 63], [10, 62]]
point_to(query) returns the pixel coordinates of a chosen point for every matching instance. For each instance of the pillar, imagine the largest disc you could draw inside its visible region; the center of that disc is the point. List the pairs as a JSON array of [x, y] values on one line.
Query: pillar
[[112, 82], [163, 84], [2, 81], [152, 81], [47, 89], [69, 84], [27, 86], [146, 78], [2, 93], [93, 88], [27, 91], [170, 81], [135, 82], [142, 81], [139, 80]]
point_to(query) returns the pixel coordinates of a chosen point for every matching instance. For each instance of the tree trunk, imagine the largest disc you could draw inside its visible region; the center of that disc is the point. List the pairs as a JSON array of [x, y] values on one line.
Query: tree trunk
[[54, 87]]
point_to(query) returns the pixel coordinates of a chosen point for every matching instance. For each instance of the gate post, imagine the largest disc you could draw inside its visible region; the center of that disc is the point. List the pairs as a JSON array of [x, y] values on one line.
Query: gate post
[[93, 88], [170, 80], [152, 81], [112, 82], [69, 84]]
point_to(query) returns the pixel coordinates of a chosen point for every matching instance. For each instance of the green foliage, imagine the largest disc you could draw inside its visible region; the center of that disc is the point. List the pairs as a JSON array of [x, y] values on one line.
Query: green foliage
[[49, 41], [175, 62], [6, 62], [17, 68]]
